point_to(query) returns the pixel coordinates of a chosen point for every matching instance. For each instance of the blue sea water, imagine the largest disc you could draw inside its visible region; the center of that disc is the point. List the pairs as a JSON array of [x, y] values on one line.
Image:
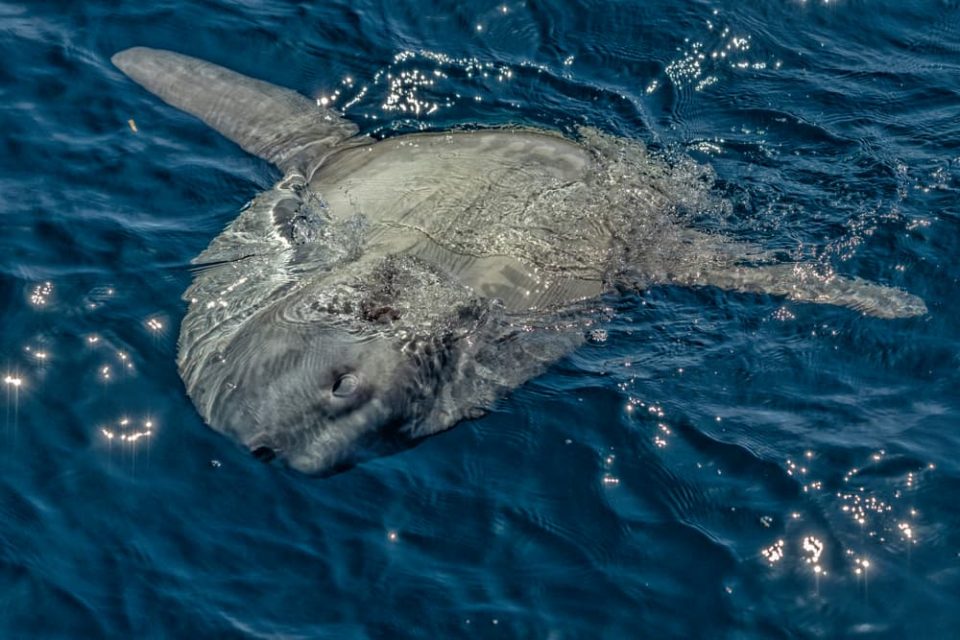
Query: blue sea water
[[714, 465]]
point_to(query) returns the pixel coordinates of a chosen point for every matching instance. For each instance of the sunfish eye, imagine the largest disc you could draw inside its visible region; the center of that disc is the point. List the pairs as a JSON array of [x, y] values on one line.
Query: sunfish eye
[[345, 385]]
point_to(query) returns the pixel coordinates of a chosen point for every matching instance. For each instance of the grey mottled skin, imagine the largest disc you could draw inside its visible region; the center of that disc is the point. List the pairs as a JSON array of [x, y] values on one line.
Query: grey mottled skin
[[386, 290]]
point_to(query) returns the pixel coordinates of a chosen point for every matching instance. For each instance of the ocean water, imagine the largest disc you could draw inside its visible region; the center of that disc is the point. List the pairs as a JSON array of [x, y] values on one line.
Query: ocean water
[[713, 464]]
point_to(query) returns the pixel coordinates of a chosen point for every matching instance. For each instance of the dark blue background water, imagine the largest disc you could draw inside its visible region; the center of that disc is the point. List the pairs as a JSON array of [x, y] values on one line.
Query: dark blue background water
[[722, 465]]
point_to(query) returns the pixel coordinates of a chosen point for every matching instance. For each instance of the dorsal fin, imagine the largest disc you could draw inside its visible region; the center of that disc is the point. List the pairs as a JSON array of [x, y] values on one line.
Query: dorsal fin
[[801, 282], [276, 124]]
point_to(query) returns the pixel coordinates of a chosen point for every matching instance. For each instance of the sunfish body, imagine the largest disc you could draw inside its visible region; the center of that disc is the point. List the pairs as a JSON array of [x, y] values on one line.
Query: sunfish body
[[384, 291]]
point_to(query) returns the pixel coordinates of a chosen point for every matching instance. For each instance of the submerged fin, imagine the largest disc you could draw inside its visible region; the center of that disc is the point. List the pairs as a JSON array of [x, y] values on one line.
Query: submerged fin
[[274, 123], [801, 282]]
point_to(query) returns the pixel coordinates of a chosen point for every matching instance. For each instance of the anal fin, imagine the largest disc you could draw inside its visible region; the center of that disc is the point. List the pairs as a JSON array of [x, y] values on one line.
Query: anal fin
[[274, 123]]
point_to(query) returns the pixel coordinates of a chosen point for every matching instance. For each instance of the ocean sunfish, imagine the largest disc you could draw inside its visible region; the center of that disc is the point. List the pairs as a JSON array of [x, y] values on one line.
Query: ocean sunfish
[[385, 290]]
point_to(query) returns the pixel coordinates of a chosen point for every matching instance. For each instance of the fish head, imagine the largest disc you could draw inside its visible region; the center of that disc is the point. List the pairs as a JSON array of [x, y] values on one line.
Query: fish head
[[317, 396], [345, 370]]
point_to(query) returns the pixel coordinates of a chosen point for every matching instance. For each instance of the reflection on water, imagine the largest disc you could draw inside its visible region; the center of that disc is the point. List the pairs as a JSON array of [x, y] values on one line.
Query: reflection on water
[[699, 62], [128, 430], [40, 294], [418, 84]]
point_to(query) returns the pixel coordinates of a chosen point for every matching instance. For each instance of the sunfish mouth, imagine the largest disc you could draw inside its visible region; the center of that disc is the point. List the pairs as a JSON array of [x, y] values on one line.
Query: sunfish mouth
[[267, 447], [264, 453]]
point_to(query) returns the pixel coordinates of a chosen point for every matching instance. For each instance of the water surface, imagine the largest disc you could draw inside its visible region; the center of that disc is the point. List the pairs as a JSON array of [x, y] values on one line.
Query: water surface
[[709, 465]]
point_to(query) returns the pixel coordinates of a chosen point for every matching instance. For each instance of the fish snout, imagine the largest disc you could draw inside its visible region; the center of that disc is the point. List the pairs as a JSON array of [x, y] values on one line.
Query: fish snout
[[264, 447], [263, 453]]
